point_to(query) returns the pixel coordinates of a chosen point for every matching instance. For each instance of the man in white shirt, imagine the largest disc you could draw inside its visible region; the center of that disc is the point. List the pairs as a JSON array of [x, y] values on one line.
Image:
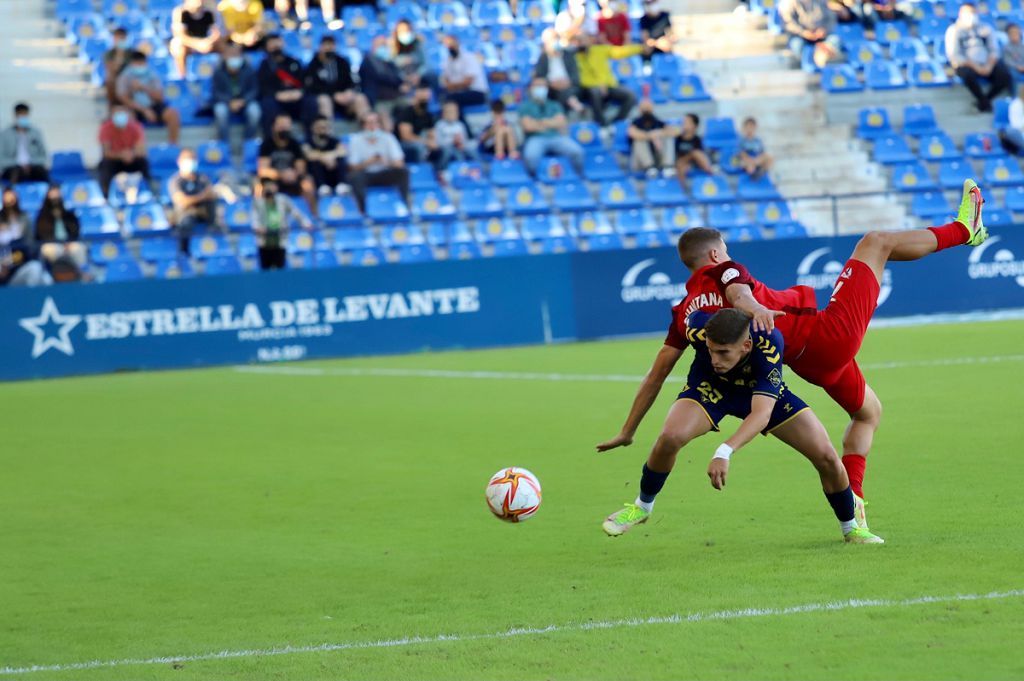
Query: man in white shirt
[[973, 50], [463, 77], [375, 159]]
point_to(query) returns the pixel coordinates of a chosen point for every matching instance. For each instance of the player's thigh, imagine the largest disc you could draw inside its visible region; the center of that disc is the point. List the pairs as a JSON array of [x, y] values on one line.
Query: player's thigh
[[848, 389], [873, 250], [806, 434], [686, 421]]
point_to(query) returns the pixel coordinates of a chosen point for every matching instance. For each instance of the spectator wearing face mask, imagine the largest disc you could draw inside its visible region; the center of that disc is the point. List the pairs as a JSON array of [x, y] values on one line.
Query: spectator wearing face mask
[[656, 28], [23, 153], [325, 157], [973, 51], [558, 67], [416, 128], [546, 129], [281, 159], [647, 134], [273, 213], [57, 230], [124, 147], [330, 86], [114, 61], [235, 92], [379, 76], [193, 199], [195, 29], [463, 77], [18, 263], [375, 159], [408, 55], [243, 22], [140, 89], [280, 81]]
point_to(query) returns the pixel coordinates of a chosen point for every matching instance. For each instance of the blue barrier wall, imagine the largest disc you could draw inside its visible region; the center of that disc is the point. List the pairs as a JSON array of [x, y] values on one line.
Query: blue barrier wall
[[77, 329]]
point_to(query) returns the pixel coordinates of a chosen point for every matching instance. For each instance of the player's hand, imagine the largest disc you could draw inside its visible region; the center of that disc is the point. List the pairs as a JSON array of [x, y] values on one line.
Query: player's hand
[[764, 319], [717, 470], [619, 440]]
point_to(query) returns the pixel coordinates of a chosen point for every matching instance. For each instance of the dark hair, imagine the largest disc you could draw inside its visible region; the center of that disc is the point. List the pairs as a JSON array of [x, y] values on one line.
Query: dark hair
[[749, 119], [21, 107], [328, 38], [272, 36], [120, 30], [694, 244], [137, 55], [727, 326], [497, 106], [695, 118], [15, 208], [281, 114], [1012, 25]]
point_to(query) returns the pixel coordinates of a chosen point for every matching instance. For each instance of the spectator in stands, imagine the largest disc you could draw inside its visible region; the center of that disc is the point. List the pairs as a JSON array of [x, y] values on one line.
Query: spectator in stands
[[329, 83], [973, 51], [273, 213], [243, 22], [598, 82], [546, 129], [1012, 136], [327, 7], [612, 24], [811, 25], [574, 21], [1013, 53], [379, 76], [559, 68], [407, 54], [195, 29], [647, 134], [280, 81], [124, 147], [375, 159], [656, 28], [453, 140], [18, 263], [281, 159], [416, 128], [463, 77], [57, 230], [690, 148], [325, 157], [193, 198], [14, 222], [235, 91], [23, 154], [753, 158], [499, 137], [140, 89], [114, 61], [855, 11]]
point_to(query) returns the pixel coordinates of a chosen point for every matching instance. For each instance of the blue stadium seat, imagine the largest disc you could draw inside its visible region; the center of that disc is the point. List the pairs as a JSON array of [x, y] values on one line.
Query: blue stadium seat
[[873, 122], [339, 211], [586, 133], [320, 259], [983, 145], [97, 222], [82, 193], [129, 190], [509, 248], [446, 14], [526, 199], [304, 241], [361, 18], [158, 248], [1015, 199], [760, 189], [510, 92], [31, 195], [884, 75], [214, 157], [729, 161], [939, 147], [790, 230], [601, 242], [432, 205], [557, 244], [953, 173], [201, 67], [720, 133], [687, 88], [931, 206], [618, 195], [667, 66], [123, 269], [480, 202], [997, 217], [850, 33], [464, 251], [221, 265], [932, 28], [890, 32], [467, 174], [727, 216], [117, 10], [913, 177], [386, 205], [507, 34], [573, 196], [67, 166], [665, 191], [537, 12], [556, 170], [600, 165], [246, 247], [908, 51], [163, 159], [590, 223], [176, 267], [146, 218], [711, 189], [773, 212], [508, 172], [682, 218], [1001, 113], [838, 78], [861, 53], [543, 226], [67, 11], [490, 13], [495, 229], [636, 221], [354, 237], [653, 239], [414, 253], [1005, 9], [627, 69], [250, 154], [748, 233], [892, 149], [929, 74], [1003, 172], [366, 257], [443, 233], [919, 120], [401, 235], [421, 176], [108, 250], [210, 246]]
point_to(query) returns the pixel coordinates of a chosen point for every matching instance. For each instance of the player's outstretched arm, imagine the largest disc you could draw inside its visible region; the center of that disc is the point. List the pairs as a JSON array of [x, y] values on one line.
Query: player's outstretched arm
[[645, 396], [761, 407], [741, 298]]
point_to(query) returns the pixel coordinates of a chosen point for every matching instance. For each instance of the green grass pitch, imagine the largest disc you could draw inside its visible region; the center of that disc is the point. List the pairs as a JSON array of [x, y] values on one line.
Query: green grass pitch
[[190, 512]]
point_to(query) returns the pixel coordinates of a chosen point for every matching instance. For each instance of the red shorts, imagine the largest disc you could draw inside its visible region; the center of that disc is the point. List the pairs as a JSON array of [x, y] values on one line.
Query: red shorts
[[828, 358]]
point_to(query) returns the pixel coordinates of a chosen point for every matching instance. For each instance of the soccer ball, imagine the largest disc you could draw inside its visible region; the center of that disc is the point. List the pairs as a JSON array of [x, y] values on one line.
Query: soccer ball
[[513, 494]]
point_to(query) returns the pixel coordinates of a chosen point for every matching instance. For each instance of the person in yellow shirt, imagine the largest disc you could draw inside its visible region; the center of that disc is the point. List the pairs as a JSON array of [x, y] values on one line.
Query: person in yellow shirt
[[597, 80], [243, 21]]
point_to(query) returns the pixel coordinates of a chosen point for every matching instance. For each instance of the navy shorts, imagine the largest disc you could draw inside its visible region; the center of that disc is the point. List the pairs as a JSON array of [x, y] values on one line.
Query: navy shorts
[[717, 404]]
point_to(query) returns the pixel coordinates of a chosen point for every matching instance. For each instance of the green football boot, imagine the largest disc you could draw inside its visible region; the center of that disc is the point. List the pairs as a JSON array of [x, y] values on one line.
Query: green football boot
[[622, 521]]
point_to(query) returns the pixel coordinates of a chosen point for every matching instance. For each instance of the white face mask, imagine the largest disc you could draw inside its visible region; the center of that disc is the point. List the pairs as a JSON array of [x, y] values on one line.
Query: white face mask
[[969, 20], [186, 166]]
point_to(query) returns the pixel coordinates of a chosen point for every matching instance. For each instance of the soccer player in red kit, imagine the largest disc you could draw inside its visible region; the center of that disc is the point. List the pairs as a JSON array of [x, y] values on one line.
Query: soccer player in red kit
[[820, 346]]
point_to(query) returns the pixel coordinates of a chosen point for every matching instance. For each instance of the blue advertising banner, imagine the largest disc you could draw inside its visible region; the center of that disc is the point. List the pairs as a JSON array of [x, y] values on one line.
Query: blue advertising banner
[[288, 315]]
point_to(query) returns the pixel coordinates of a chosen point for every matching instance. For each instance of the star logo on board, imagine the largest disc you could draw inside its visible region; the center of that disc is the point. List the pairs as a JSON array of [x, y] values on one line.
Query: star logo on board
[[51, 329]]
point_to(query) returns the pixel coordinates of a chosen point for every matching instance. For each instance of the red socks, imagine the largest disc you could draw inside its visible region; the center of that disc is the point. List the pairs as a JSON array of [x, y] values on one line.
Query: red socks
[[953, 234], [855, 464]]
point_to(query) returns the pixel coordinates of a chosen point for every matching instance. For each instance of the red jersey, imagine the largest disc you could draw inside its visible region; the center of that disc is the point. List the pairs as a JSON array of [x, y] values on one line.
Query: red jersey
[[615, 28], [702, 293]]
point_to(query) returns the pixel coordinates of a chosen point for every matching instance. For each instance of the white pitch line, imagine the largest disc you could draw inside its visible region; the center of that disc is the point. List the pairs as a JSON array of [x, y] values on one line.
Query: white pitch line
[[559, 377], [524, 631]]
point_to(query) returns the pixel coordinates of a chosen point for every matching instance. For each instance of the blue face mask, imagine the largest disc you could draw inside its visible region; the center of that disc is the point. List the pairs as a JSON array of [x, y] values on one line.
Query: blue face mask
[[122, 44], [235, 63], [21, 121], [540, 92], [120, 119], [140, 71], [383, 52]]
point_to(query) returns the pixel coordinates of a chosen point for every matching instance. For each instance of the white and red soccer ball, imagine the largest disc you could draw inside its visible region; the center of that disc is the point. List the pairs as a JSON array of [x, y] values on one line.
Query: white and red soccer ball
[[513, 494]]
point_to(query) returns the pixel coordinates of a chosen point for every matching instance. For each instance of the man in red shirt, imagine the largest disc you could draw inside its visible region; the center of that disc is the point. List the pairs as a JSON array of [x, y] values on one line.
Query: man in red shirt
[[612, 25], [820, 346], [124, 147]]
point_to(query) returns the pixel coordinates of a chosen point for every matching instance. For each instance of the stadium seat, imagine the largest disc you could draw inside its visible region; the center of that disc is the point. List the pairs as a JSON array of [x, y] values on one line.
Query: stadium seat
[[711, 189], [246, 247], [31, 195], [913, 177], [538, 12], [601, 242], [250, 154], [773, 212], [177, 267], [361, 17], [526, 199], [600, 166], [480, 202], [446, 14], [339, 211], [590, 223], [727, 216], [790, 230], [873, 122], [636, 221], [938, 147], [748, 233], [146, 218], [884, 75], [892, 149], [729, 161], [414, 253], [618, 195], [586, 133], [68, 166], [907, 51], [210, 246], [495, 229], [508, 172], [386, 205], [320, 259], [509, 248], [123, 269], [928, 74], [680, 219], [106, 251], [421, 176], [82, 193], [1005, 9], [932, 206], [303, 241], [401, 235], [667, 66], [97, 222], [687, 88], [466, 174], [464, 251], [556, 170], [850, 33], [1003, 172], [665, 191], [432, 205], [860, 53], [838, 78], [507, 33], [366, 257], [998, 217], [890, 32], [353, 238], [760, 189], [443, 233], [983, 145], [129, 190], [158, 248], [214, 157], [163, 159], [953, 173], [558, 244], [543, 226], [652, 239], [919, 120], [720, 133], [627, 69], [1015, 199], [573, 196]]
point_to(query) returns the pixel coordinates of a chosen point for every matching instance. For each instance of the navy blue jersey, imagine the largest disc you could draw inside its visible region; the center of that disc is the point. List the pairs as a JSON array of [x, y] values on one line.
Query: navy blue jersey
[[730, 394]]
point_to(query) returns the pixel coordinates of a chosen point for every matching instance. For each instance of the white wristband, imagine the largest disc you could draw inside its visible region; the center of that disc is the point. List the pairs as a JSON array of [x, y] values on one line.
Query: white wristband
[[724, 451]]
